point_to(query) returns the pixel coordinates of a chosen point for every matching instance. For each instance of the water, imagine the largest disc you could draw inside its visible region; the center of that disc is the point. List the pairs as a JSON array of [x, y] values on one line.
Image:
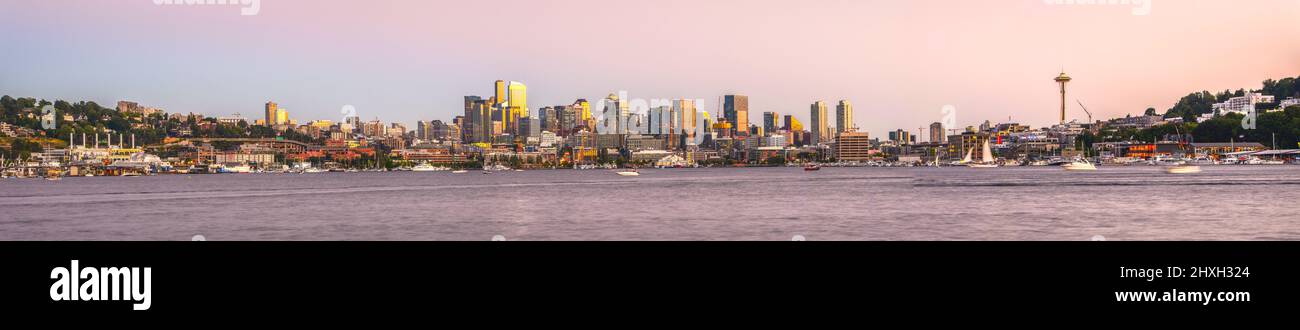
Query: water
[[1119, 203]]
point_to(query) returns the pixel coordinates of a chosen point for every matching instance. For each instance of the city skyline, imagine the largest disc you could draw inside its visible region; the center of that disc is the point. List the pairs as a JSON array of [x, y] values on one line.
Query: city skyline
[[899, 73]]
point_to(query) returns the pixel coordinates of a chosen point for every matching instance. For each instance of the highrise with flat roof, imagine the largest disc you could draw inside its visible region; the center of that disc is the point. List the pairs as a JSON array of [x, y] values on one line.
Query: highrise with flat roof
[[820, 132], [844, 117], [736, 109]]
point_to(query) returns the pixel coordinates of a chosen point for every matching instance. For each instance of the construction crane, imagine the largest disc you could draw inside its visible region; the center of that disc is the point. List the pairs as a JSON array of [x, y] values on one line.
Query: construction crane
[[1085, 110]]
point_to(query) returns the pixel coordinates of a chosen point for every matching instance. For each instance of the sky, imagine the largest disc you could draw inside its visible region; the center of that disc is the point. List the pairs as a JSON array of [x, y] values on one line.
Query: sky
[[899, 62]]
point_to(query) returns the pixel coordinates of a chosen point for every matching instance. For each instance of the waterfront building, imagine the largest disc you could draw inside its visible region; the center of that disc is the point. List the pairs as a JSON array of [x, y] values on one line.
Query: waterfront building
[[853, 147], [1217, 149], [259, 158]]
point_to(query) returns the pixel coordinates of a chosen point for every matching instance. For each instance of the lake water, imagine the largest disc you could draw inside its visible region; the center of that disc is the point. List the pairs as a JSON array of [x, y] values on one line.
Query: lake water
[[1119, 203]]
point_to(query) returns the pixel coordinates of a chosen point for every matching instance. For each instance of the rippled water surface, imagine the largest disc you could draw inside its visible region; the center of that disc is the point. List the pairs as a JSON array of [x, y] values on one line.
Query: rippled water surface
[[1119, 203]]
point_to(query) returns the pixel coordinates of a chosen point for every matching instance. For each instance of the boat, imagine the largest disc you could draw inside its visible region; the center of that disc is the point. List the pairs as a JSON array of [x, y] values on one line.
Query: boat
[[313, 170], [968, 159], [631, 172], [459, 172], [1183, 169], [241, 168], [1080, 165], [812, 167], [986, 160], [425, 167], [496, 167], [1259, 161]]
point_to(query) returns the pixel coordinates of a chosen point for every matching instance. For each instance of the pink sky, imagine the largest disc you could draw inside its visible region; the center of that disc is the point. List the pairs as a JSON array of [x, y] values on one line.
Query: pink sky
[[899, 61]]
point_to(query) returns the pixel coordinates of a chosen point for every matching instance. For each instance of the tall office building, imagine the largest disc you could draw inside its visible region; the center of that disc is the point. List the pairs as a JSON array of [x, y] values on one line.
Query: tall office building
[[568, 119], [844, 117], [820, 132], [736, 109], [621, 115], [685, 111], [530, 126], [660, 120], [769, 122], [936, 133], [517, 105], [478, 123], [271, 113], [547, 114], [422, 130], [500, 91], [437, 130], [583, 110], [281, 116]]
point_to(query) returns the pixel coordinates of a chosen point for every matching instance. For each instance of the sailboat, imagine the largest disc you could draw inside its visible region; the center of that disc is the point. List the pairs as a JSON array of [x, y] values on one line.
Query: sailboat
[[967, 159], [986, 160]]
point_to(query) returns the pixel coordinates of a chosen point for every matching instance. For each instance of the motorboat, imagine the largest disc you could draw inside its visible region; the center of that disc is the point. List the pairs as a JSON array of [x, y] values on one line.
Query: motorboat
[[812, 167], [630, 172], [496, 167], [1079, 166], [1183, 169], [425, 167]]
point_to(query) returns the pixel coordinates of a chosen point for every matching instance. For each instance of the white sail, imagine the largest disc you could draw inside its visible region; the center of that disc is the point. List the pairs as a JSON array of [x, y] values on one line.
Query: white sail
[[968, 156], [988, 153]]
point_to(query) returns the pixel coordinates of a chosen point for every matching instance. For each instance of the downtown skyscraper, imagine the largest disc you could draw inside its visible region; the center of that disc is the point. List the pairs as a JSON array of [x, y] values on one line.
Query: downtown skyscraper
[[736, 109], [820, 132], [770, 121], [844, 117]]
